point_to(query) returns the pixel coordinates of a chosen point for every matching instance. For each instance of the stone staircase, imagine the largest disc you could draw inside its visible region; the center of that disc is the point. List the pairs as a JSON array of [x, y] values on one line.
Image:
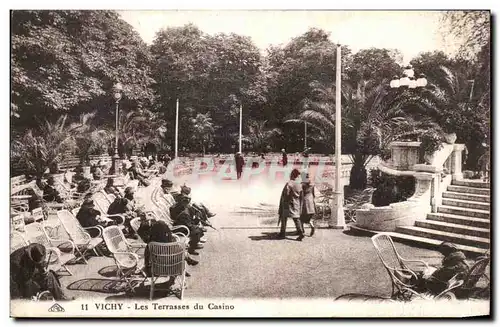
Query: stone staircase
[[463, 219]]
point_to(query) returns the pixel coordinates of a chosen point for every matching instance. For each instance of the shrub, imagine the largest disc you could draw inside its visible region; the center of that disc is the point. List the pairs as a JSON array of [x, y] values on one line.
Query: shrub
[[430, 142], [391, 189]]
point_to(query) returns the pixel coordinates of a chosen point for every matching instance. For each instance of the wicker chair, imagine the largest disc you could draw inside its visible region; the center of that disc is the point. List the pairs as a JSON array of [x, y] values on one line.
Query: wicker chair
[[167, 260], [124, 254], [36, 233], [83, 241], [403, 278]]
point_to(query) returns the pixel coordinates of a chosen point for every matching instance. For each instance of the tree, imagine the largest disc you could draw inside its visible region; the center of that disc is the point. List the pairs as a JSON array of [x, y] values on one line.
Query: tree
[[471, 27], [259, 136], [203, 130], [88, 138], [211, 74], [67, 62], [43, 148]]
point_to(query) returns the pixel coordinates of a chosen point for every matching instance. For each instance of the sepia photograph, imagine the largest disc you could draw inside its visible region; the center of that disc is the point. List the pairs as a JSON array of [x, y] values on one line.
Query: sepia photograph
[[250, 163]]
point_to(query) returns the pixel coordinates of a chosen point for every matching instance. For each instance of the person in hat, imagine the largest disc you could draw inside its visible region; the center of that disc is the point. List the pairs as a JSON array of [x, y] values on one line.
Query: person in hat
[[98, 172], [110, 188], [88, 216], [127, 207], [284, 157], [50, 193], [29, 275], [182, 215], [240, 163], [290, 205], [199, 207], [166, 192], [453, 264], [136, 173], [308, 203]]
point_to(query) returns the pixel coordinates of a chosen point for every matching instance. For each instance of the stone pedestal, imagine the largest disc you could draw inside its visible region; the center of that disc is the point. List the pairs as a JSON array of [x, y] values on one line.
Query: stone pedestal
[[404, 155], [337, 220], [456, 161]]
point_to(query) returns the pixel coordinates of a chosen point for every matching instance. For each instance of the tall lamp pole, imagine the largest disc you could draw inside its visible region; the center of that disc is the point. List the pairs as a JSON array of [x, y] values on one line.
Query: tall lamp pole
[[117, 95], [305, 136], [337, 218], [176, 127], [241, 121]]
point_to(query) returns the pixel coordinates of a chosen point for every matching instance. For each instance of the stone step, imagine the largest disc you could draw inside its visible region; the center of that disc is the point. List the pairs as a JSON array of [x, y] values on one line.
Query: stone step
[[466, 196], [418, 240], [469, 190], [454, 228], [471, 183], [467, 204], [468, 240], [464, 212], [459, 220]]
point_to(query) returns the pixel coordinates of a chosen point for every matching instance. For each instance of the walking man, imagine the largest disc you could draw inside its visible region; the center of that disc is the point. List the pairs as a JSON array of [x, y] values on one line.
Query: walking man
[[290, 205], [285, 157]]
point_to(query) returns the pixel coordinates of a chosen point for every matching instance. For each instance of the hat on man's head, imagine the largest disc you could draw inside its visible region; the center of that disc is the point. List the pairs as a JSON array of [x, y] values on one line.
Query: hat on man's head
[[36, 252], [129, 190], [166, 183], [88, 201], [185, 190]]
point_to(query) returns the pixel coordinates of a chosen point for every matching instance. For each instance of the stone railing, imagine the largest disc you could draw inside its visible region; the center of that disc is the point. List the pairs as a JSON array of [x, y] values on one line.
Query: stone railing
[[431, 180]]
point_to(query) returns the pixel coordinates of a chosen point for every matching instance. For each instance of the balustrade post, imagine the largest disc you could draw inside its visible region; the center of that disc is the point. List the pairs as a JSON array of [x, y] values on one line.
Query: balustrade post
[[456, 161]]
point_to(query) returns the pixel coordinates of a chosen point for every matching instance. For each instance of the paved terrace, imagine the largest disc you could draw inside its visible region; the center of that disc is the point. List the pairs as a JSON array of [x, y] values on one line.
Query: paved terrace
[[241, 259]]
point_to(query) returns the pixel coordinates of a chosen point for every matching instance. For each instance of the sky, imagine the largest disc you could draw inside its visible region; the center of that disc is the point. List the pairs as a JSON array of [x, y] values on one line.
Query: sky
[[412, 32]]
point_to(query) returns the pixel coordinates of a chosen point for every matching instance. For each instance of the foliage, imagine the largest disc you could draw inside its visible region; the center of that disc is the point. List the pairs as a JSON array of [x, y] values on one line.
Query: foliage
[[209, 74], [68, 60], [203, 130], [138, 128], [391, 189], [472, 27], [89, 139], [259, 137], [431, 142], [38, 150]]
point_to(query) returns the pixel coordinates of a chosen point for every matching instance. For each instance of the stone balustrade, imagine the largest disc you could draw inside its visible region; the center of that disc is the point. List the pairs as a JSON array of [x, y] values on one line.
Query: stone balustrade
[[431, 180]]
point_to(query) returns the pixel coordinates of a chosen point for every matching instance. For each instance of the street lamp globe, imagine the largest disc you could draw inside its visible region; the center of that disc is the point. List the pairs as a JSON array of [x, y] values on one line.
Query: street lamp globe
[[395, 82], [408, 71], [412, 84], [421, 81], [404, 81], [117, 89]]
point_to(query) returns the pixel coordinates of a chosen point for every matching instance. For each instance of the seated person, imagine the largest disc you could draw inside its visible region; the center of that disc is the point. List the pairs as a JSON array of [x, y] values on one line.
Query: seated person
[[50, 193], [98, 171], [453, 264], [110, 188], [35, 201], [199, 207], [88, 216], [181, 214], [136, 173], [160, 232], [127, 207], [78, 176], [29, 275]]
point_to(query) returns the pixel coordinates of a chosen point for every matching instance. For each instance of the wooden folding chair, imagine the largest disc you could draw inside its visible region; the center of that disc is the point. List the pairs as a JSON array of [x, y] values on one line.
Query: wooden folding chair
[[167, 260]]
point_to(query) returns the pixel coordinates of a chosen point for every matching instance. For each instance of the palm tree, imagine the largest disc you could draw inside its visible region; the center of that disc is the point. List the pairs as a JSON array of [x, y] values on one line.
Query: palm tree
[[89, 139], [138, 128], [367, 121], [203, 130], [259, 136], [38, 150]]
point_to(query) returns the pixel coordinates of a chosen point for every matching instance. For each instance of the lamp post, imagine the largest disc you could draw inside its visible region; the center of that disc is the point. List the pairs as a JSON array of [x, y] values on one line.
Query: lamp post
[[408, 79], [241, 126], [337, 214], [117, 95], [176, 146]]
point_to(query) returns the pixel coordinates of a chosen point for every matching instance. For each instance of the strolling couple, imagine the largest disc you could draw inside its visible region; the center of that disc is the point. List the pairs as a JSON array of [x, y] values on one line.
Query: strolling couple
[[297, 202]]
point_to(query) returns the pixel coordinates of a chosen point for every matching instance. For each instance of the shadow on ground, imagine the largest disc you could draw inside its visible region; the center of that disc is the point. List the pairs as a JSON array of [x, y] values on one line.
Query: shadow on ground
[[162, 290], [101, 285], [270, 236]]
